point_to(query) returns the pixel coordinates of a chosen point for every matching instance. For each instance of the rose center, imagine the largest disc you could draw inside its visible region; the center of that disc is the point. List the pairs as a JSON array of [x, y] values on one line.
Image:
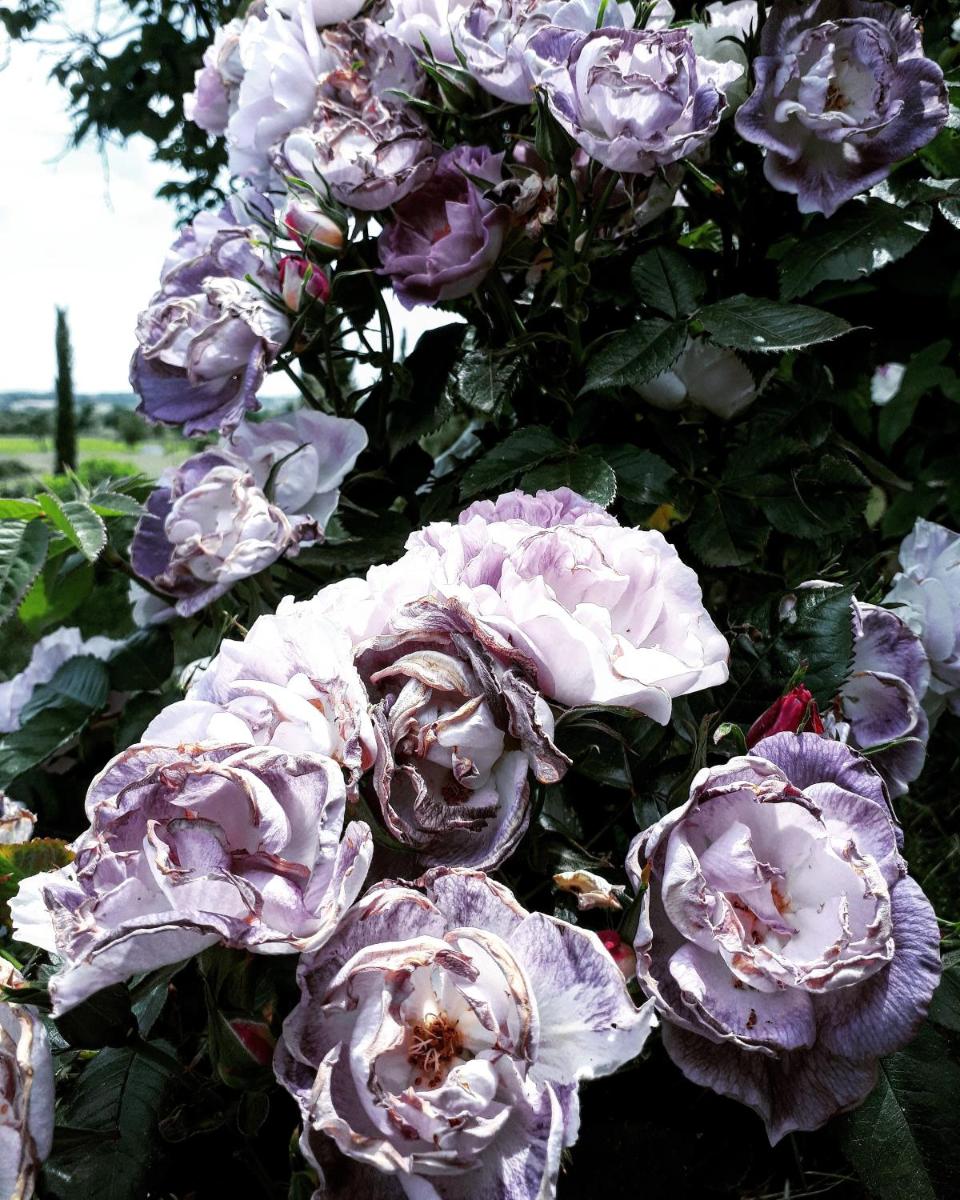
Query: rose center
[[435, 1042]]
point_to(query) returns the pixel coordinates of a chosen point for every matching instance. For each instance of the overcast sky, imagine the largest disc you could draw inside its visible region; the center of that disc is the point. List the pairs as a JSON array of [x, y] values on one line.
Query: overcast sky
[[83, 230]]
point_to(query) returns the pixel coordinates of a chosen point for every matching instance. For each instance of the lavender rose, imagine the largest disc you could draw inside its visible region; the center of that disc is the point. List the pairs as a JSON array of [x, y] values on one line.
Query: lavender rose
[[430, 22], [440, 1038], [458, 725], [209, 335], [208, 526], [634, 99], [290, 684], [780, 934], [843, 92], [16, 825], [607, 614], [881, 701], [217, 83], [445, 238], [305, 457], [926, 594], [26, 1085], [495, 39], [190, 847]]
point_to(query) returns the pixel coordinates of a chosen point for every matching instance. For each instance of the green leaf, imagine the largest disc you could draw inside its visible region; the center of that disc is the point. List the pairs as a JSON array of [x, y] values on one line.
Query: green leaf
[[55, 594], [587, 474], [724, 531], [143, 663], [23, 549], [78, 523], [19, 510], [636, 355], [103, 1019], [20, 861], [80, 680], [747, 323], [642, 476], [903, 1139], [486, 381], [56, 713], [521, 451], [812, 499], [945, 1006], [115, 504], [860, 240], [665, 280], [820, 638], [118, 1097]]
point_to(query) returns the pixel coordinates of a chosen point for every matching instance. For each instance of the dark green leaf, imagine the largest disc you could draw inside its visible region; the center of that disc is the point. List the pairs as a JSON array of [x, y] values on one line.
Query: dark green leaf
[[103, 1019], [636, 355], [23, 548], [420, 400], [115, 504], [819, 638], [903, 1139], [118, 1096], [486, 381], [725, 531], [665, 280], [521, 451], [859, 240], [765, 326], [143, 663], [945, 1006], [57, 716], [586, 474], [642, 476], [82, 680], [55, 594]]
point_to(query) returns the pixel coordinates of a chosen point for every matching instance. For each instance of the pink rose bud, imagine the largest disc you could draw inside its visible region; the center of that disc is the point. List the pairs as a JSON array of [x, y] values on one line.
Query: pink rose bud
[[310, 226], [620, 951], [795, 711], [299, 278]]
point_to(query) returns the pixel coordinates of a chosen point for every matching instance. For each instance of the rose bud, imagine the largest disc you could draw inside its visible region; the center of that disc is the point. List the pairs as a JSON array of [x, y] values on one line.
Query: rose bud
[[620, 951], [299, 278], [310, 227], [795, 711]]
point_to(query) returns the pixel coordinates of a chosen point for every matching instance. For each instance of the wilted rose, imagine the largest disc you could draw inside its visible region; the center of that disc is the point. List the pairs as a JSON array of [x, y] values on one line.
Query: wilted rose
[[302, 458], [217, 83], [209, 335], [444, 239], [881, 701], [442, 1033], [190, 847], [926, 594], [16, 823], [607, 614], [459, 727], [634, 99], [290, 684], [26, 1088], [843, 91], [206, 527], [780, 934]]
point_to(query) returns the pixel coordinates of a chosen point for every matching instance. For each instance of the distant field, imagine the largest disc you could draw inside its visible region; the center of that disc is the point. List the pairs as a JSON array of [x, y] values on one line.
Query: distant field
[[148, 458]]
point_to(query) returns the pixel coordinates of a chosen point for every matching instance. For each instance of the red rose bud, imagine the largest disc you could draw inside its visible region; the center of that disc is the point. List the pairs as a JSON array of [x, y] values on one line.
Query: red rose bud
[[795, 711], [299, 278], [311, 227], [620, 951], [256, 1039]]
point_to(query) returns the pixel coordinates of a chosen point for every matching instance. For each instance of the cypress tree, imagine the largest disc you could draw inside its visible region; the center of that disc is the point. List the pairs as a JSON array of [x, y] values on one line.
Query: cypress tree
[[65, 450]]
